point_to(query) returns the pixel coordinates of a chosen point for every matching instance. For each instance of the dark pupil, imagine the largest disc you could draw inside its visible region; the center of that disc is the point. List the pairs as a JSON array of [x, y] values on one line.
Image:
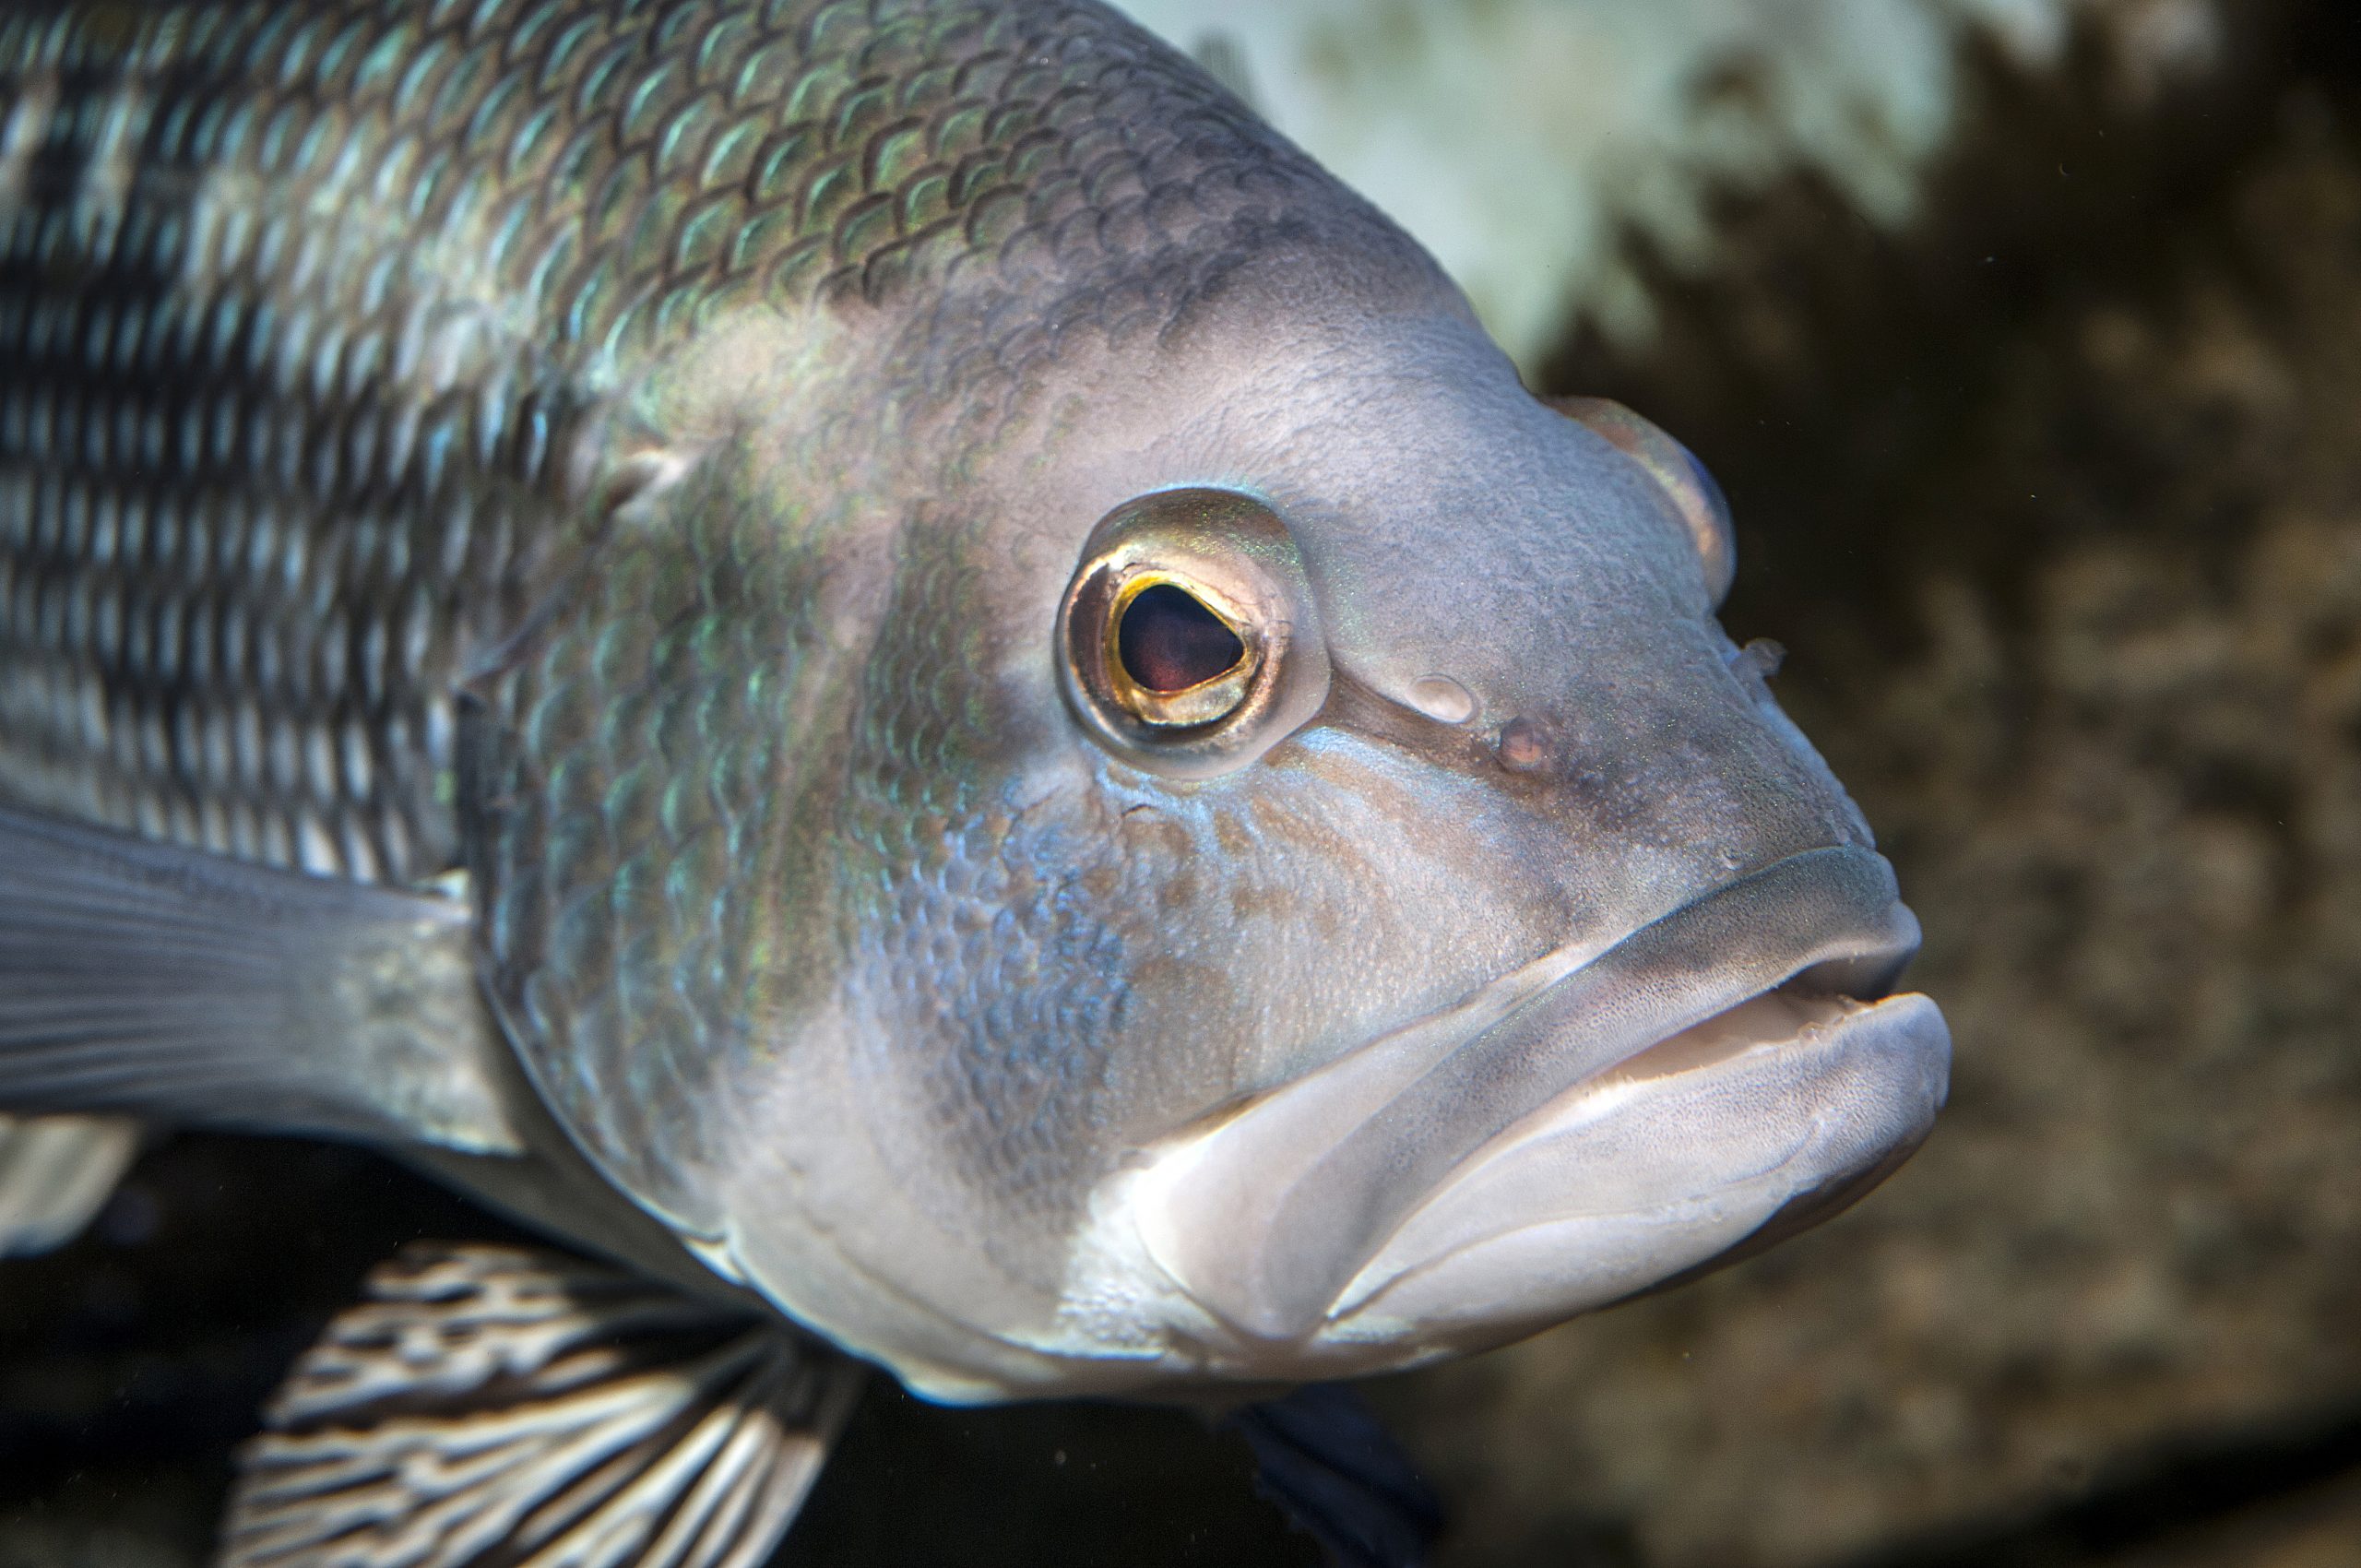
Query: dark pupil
[[1169, 642]]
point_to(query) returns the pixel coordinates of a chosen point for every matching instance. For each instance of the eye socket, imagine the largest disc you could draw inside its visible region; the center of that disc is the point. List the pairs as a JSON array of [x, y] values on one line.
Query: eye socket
[[1188, 640]]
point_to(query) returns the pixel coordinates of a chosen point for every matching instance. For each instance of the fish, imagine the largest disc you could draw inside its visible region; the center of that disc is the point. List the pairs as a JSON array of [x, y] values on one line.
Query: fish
[[881, 666]]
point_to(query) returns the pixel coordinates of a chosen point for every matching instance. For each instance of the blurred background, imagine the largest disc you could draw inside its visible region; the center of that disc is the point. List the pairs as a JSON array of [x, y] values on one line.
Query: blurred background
[[2025, 336]]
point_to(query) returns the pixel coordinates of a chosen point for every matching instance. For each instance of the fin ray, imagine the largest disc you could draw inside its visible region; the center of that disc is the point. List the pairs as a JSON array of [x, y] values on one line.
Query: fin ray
[[1323, 1456], [504, 1406], [147, 979]]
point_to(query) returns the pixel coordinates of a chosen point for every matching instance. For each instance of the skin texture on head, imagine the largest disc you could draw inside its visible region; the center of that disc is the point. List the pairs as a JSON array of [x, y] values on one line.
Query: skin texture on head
[[1034, 959], [840, 939]]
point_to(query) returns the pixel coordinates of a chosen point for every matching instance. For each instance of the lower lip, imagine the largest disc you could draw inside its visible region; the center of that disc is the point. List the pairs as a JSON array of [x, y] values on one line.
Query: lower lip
[[1805, 1096], [1265, 1218], [1779, 1017]]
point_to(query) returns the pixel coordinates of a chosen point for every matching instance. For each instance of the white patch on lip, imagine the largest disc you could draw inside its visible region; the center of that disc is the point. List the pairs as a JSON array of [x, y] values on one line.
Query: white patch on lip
[[1775, 1018], [1121, 1294], [1238, 1169], [1542, 1148]]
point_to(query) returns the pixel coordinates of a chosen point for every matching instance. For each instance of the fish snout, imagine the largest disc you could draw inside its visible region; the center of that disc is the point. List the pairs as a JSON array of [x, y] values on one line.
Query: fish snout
[[1575, 1133], [1699, 764]]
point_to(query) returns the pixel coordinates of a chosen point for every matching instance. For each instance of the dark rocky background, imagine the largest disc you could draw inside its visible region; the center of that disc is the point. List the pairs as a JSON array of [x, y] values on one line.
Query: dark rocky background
[[2055, 498]]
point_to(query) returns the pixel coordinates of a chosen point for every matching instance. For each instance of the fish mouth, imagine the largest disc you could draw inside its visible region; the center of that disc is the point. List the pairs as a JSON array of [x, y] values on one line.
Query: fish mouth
[[1579, 1132]]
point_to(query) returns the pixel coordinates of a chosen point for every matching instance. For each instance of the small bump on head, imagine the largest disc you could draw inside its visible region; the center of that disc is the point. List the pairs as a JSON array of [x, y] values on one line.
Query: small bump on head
[[1520, 745]]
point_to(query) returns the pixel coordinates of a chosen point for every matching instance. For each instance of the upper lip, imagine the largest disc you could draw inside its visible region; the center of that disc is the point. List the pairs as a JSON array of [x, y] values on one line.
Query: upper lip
[[1342, 1170]]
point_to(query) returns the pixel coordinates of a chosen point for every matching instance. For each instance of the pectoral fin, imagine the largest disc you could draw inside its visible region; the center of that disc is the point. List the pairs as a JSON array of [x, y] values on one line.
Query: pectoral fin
[[1335, 1471], [159, 982], [55, 1171], [497, 1406]]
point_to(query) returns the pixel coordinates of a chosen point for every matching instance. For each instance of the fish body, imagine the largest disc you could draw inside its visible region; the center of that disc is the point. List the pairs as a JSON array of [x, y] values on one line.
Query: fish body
[[879, 659]]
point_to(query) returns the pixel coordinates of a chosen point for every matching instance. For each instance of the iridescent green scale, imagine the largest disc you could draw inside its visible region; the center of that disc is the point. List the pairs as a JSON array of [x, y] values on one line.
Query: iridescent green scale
[[321, 325], [298, 302]]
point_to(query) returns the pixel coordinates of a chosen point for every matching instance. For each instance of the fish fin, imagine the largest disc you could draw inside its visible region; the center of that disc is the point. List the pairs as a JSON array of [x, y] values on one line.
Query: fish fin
[[499, 1404], [1323, 1457], [148, 979], [55, 1172]]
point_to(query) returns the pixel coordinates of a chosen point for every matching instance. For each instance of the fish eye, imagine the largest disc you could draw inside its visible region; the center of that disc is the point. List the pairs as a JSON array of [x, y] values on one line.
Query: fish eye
[[1177, 661], [1188, 641]]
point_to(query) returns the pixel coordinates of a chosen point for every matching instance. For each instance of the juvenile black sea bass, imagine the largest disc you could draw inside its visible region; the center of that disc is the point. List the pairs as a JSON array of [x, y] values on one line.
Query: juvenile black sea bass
[[879, 661]]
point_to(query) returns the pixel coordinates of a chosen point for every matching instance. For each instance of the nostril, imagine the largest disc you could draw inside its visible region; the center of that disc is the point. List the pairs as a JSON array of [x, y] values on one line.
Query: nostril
[[1520, 744], [1761, 658], [1443, 699]]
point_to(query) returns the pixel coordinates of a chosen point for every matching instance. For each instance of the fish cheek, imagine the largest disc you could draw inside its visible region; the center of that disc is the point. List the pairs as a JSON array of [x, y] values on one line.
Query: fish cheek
[[1151, 838], [1175, 1046], [989, 929], [1001, 995], [1286, 925]]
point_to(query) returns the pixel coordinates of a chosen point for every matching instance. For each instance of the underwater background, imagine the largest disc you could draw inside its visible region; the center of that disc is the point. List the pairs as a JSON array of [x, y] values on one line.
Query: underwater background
[[2025, 337]]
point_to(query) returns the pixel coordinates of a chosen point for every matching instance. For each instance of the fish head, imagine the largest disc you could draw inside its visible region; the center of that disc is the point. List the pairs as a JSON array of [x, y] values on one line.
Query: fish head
[[1311, 887]]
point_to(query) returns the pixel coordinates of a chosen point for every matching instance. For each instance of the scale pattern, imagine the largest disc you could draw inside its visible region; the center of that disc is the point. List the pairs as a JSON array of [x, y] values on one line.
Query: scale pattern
[[302, 304], [320, 324]]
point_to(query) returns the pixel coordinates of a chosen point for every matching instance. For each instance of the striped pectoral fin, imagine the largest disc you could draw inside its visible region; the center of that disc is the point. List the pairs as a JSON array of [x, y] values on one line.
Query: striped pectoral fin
[[55, 1173], [495, 1405], [148, 979]]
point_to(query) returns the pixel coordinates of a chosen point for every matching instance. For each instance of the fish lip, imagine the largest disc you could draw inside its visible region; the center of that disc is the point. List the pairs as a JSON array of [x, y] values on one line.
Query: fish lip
[[1265, 1220], [1864, 1158]]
